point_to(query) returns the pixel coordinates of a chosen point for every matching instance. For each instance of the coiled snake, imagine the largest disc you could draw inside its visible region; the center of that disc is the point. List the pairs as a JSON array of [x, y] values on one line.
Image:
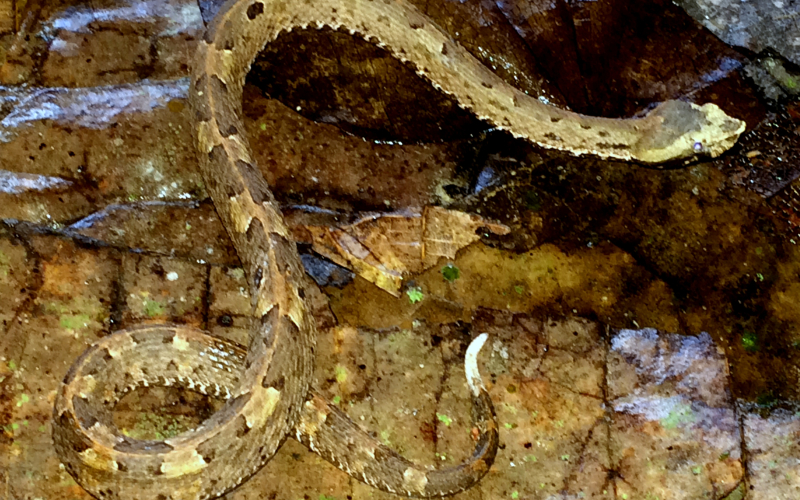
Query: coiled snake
[[267, 388]]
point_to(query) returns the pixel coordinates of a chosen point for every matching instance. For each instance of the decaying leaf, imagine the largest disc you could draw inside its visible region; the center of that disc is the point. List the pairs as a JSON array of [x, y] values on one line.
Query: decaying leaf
[[384, 248]]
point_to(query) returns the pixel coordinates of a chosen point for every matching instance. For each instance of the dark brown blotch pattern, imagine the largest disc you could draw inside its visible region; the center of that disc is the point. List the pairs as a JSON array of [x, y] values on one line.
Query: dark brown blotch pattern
[[269, 323], [257, 241], [210, 33], [202, 112], [285, 251], [552, 137], [384, 455], [172, 367], [254, 10], [207, 450], [235, 405], [217, 88], [142, 446], [97, 362], [140, 337], [78, 442], [230, 185], [127, 382], [83, 411], [225, 38], [76, 367], [241, 426], [277, 384], [255, 182], [618, 147], [258, 275], [226, 118]]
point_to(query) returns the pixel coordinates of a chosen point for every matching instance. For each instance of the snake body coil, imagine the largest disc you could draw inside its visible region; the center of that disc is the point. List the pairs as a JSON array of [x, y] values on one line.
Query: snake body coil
[[267, 389]]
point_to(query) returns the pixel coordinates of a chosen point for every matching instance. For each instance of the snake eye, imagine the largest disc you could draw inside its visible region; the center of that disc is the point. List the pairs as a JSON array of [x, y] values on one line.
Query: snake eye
[[698, 147]]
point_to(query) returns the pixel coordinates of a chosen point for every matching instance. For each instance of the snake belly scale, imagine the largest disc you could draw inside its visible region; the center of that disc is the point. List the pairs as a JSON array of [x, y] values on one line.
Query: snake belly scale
[[267, 388]]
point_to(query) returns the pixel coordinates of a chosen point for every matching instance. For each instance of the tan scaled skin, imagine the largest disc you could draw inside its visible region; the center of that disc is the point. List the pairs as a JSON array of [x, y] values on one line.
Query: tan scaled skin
[[267, 390], [674, 130], [209, 460]]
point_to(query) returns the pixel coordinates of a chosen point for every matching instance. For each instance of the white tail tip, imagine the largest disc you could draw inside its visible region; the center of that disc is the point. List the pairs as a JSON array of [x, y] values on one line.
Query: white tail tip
[[471, 364]]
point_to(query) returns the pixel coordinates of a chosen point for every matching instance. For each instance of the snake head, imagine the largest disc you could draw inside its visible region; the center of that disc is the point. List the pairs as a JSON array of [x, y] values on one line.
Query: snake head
[[678, 130]]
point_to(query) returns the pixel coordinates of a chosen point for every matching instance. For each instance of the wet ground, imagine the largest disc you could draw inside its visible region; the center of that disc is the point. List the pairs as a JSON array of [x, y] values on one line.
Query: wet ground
[[644, 324]]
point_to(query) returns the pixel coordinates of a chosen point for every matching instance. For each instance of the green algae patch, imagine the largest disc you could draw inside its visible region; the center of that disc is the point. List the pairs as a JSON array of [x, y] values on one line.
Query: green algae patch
[[414, 295], [340, 373], [78, 314], [680, 415], [153, 308], [451, 273], [750, 341], [153, 426]]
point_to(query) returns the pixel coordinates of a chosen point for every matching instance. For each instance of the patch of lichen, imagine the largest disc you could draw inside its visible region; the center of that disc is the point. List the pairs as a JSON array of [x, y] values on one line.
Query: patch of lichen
[[155, 426]]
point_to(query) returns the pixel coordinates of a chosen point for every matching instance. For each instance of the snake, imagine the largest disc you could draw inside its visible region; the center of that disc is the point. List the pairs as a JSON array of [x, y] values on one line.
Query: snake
[[267, 386]]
